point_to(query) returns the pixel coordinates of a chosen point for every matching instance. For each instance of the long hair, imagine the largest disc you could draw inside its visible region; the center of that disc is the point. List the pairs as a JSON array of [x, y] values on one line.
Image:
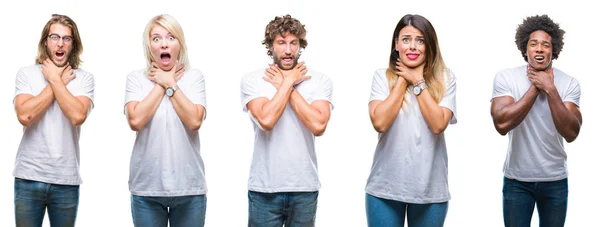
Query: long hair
[[435, 70], [170, 24], [77, 48]]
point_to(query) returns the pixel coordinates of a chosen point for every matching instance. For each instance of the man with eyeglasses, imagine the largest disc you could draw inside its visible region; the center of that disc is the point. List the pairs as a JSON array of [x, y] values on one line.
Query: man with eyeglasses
[[52, 99]]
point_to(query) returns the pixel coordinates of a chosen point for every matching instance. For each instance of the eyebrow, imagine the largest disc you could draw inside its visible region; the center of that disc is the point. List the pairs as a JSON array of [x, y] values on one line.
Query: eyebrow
[[157, 34], [419, 36]]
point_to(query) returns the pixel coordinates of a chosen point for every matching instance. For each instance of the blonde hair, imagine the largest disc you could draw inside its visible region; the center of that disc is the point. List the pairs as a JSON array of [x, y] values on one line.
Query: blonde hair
[[170, 24], [435, 71], [77, 48]]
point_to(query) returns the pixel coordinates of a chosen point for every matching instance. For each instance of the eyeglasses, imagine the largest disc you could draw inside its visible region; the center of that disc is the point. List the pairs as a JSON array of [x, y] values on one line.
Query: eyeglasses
[[66, 39]]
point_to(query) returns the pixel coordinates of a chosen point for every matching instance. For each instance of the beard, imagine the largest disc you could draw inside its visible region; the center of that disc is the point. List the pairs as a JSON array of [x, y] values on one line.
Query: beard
[[278, 60], [58, 64]]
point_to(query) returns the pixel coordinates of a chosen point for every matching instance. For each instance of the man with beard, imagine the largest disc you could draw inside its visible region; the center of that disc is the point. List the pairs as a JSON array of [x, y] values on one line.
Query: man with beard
[[289, 105], [52, 99], [538, 106]]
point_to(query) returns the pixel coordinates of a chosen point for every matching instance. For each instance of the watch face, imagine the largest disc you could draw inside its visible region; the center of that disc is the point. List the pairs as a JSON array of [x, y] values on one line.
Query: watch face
[[417, 90], [169, 92]]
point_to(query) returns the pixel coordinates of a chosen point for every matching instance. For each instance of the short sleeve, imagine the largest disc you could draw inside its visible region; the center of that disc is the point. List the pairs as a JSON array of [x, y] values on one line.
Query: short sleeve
[[573, 92], [501, 86], [449, 99], [249, 90], [379, 87], [22, 85], [198, 94], [133, 89], [86, 87], [324, 91]]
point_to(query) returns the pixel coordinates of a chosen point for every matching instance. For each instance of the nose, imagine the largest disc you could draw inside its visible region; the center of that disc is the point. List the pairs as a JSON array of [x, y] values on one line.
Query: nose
[[413, 45], [60, 42], [288, 49], [163, 43], [539, 48]]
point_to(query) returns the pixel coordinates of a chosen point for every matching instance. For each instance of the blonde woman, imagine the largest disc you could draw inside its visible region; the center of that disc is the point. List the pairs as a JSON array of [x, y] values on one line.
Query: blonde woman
[[412, 102], [165, 104]]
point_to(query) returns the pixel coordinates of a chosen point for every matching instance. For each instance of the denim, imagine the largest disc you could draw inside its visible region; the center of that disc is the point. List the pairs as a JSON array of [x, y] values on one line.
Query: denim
[[519, 199], [385, 212], [292, 209], [178, 211], [32, 198]]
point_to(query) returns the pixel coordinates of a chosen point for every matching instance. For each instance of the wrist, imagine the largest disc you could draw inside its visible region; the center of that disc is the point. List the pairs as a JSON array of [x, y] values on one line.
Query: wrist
[[55, 81], [288, 83]]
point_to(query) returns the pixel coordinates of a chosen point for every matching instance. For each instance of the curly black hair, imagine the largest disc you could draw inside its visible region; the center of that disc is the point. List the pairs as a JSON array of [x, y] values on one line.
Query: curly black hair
[[536, 23]]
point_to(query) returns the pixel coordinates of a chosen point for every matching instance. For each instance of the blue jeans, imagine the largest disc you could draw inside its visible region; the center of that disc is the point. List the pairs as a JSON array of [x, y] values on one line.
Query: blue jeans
[[151, 211], [519, 199], [385, 212], [33, 197], [294, 209]]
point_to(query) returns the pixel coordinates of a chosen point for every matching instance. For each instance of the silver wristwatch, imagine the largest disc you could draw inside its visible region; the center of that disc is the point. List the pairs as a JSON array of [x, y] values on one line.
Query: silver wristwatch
[[171, 90], [419, 87]]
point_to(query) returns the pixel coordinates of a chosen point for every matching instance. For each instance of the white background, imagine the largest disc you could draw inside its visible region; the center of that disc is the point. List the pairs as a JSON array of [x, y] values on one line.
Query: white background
[[348, 42]]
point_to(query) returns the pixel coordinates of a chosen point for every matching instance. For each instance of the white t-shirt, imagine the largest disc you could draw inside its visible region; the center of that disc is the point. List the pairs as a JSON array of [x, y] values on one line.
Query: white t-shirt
[[166, 157], [284, 158], [410, 163], [535, 148], [49, 149]]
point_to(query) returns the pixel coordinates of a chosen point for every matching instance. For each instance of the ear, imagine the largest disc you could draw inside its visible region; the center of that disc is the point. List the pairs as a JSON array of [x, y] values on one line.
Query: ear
[[300, 52], [396, 45]]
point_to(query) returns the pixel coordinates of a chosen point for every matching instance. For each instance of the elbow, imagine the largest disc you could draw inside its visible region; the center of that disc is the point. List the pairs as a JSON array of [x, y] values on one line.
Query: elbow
[[380, 127], [439, 130], [78, 120], [266, 124], [195, 126], [135, 124], [501, 128], [24, 119], [318, 129], [571, 138]]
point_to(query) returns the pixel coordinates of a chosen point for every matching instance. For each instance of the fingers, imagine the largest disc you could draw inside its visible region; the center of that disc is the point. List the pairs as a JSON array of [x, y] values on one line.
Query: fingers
[[300, 64]]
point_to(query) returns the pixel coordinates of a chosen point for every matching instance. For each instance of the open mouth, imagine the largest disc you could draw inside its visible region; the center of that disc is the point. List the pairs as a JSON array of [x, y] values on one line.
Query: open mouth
[[539, 58], [165, 58], [412, 57], [59, 54], [287, 59]]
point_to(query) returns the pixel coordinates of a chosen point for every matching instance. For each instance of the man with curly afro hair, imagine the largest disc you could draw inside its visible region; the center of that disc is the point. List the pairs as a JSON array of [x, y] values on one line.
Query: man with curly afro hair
[[537, 105], [289, 105]]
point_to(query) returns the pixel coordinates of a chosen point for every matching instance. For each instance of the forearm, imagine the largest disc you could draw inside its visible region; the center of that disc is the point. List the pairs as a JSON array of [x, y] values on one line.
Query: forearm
[[33, 108], [432, 112], [270, 112], [566, 123], [139, 115], [311, 117], [511, 115], [189, 113], [71, 107], [385, 113]]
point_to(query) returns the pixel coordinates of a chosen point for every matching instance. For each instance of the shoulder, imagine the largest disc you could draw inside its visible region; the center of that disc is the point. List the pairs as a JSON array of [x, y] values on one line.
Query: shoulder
[[253, 76], [514, 71], [380, 72], [31, 69], [317, 75], [194, 73], [81, 72], [561, 74], [137, 73]]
